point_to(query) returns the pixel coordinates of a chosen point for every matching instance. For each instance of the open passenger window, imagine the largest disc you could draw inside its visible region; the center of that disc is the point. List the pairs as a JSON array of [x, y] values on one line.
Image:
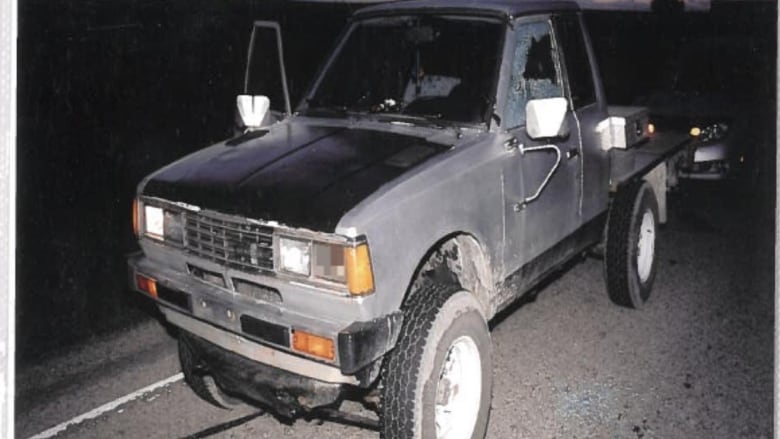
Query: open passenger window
[[535, 70]]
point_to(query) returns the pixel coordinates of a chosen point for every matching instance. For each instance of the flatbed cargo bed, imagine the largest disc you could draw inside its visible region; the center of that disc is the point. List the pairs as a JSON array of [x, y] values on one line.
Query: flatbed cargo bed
[[632, 164]]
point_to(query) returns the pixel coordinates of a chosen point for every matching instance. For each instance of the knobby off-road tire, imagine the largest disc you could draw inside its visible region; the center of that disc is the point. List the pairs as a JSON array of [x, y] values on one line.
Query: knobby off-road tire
[[437, 381], [203, 385], [630, 256]]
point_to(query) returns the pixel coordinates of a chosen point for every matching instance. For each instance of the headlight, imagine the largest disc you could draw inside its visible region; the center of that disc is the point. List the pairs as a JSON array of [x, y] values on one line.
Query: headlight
[[153, 222], [346, 264], [163, 225], [329, 262], [173, 226], [710, 133], [295, 256]]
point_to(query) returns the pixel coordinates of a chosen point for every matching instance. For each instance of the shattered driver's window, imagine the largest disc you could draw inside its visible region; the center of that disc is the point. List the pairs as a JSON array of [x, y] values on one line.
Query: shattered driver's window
[[535, 73]]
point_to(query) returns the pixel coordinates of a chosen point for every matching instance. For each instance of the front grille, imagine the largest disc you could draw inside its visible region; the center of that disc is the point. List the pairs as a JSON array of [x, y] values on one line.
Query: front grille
[[230, 242]]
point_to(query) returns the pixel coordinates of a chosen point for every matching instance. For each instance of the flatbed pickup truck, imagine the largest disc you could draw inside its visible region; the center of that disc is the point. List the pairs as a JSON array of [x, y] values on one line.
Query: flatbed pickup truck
[[449, 156]]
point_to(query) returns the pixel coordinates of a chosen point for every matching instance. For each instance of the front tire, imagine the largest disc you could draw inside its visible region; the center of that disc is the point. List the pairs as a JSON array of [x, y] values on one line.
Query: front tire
[[630, 255], [201, 383], [437, 382]]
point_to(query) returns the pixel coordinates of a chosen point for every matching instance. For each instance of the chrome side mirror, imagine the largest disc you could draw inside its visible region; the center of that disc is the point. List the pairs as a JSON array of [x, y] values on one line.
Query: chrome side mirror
[[253, 110]]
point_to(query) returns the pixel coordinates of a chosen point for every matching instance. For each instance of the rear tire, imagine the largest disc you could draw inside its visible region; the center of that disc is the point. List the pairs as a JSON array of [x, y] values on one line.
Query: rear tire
[[630, 254], [437, 381], [200, 382]]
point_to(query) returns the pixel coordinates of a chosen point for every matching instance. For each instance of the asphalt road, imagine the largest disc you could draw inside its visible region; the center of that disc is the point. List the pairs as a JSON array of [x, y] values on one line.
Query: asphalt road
[[696, 362]]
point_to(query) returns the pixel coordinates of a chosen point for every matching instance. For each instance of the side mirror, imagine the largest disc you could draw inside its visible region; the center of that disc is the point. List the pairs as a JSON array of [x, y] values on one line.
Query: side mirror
[[546, 118], [253, 110]]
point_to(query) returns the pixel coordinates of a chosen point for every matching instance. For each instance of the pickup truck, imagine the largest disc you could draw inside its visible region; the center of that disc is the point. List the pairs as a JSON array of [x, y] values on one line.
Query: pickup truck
[[449, 156]]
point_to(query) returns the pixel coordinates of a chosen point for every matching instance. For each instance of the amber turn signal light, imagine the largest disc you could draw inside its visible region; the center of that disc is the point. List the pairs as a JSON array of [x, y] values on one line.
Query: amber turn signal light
[[360, 277], [315, 345], [146, 285], [136, 224]]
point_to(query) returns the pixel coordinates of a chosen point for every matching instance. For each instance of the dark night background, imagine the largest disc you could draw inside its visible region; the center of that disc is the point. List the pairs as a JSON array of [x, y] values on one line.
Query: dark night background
[[110, 90]]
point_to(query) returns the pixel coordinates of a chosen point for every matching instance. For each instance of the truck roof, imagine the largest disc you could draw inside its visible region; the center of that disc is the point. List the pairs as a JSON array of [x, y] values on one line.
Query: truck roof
[[502, 8]]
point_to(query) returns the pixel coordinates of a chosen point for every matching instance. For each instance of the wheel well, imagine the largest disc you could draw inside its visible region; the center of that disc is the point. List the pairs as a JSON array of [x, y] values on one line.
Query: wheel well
[[458, 259]]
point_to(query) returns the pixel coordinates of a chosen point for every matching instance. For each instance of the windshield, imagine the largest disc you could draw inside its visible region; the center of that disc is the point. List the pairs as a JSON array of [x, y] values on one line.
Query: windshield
[[433, 67]]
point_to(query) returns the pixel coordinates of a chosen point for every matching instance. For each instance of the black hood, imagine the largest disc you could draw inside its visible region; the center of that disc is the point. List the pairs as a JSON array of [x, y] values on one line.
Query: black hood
[[298, 175]]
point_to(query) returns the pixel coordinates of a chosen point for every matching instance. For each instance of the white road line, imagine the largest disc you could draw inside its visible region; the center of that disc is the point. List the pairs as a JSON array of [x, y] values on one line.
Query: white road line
[[107, 407]]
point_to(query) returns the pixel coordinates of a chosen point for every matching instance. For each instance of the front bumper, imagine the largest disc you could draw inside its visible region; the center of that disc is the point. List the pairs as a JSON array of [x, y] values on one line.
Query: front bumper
[[285, 392], [262, 332]]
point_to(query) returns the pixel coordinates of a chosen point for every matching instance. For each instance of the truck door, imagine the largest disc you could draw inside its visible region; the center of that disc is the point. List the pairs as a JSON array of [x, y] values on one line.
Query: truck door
[[590, 108], [543, 177]]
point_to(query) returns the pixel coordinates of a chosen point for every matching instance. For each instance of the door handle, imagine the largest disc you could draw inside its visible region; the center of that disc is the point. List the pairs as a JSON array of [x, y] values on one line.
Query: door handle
[[573, 152], [512, 144]]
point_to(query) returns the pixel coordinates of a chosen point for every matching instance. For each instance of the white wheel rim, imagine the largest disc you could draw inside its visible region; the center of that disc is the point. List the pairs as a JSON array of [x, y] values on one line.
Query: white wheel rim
[[645, 246], [458, 390]]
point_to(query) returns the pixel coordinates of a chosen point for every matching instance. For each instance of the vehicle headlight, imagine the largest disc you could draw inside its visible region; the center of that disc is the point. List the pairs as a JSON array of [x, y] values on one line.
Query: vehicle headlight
[[163, 225], [711, 132], [295, 256], [173, 226], [347, 264], [153, 222], [329, 262]]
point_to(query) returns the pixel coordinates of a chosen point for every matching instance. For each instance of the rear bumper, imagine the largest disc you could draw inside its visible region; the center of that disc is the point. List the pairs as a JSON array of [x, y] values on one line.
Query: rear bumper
[[690, 175]]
